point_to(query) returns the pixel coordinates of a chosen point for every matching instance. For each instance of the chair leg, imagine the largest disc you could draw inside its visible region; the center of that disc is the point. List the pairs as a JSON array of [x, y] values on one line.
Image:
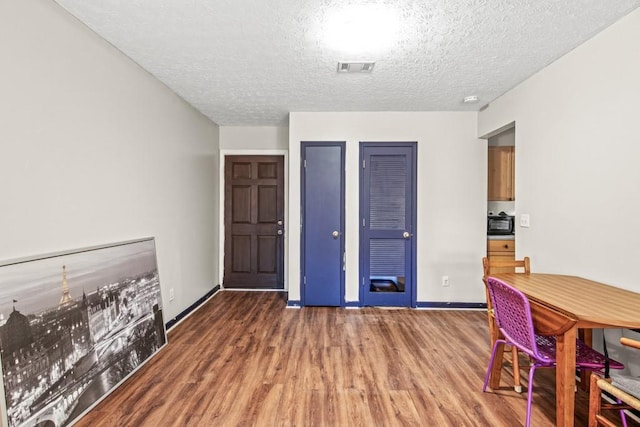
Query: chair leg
[[493, 336], [623, 416], [491, 359], [515, 363], [493, 329], [594, 401], [530, 394]]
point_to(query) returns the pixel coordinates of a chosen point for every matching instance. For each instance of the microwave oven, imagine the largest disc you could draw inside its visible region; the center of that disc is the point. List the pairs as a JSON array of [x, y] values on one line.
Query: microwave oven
[[500, 225]]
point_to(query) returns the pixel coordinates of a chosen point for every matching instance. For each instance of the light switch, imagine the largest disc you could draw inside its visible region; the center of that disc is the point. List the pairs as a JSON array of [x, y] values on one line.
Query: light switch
[[524, 220]]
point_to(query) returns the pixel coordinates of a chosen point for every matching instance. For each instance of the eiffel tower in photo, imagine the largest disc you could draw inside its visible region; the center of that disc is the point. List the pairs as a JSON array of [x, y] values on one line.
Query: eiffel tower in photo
[[66, 296]]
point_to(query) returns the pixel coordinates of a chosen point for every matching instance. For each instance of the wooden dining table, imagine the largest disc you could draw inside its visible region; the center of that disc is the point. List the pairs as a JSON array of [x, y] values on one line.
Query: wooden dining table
[[562, 305]]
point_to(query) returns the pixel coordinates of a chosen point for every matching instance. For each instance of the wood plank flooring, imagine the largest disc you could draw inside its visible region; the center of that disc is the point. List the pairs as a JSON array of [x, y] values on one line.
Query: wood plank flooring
[[244, 359]]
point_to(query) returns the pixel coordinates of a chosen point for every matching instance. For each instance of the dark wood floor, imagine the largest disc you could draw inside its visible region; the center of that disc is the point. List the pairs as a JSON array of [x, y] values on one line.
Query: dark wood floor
[[244, 359]]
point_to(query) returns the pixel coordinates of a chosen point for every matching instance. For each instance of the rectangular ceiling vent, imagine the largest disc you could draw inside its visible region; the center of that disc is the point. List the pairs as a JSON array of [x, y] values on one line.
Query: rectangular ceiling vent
[[355, 67]]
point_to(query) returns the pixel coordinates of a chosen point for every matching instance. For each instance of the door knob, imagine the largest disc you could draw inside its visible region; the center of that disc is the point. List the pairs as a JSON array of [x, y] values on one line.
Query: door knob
[[335, 234], [406, 235]]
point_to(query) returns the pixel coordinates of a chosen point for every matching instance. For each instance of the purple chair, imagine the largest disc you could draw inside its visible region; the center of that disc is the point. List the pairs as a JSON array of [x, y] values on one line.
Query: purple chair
[[513, 317]]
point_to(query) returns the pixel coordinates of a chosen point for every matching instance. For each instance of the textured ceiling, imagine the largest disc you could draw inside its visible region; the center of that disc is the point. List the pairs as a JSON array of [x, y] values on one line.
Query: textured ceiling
[[251, 62]]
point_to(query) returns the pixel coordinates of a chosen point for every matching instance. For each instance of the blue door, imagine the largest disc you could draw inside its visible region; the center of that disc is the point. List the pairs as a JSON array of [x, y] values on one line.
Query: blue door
[[388, 212], [322, 223]]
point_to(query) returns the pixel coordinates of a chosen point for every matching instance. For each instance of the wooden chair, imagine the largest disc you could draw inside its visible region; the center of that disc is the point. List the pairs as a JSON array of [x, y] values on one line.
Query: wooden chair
[[624, 389], [493, 266]]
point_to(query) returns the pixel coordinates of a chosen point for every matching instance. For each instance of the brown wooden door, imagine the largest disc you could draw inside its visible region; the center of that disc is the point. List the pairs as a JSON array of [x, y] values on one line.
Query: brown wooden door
[[254, 222]]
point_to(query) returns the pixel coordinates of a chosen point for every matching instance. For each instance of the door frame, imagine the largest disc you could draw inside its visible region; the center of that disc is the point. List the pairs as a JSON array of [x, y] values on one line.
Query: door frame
[[414, 215], [221, 200], [303, 145]]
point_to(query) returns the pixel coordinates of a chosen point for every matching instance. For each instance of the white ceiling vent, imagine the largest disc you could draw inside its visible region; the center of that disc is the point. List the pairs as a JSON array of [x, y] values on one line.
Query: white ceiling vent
[[355, 67]]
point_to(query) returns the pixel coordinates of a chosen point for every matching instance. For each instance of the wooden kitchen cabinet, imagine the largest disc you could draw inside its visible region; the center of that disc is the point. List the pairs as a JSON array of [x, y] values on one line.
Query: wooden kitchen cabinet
[[504, 250], [501, 162]]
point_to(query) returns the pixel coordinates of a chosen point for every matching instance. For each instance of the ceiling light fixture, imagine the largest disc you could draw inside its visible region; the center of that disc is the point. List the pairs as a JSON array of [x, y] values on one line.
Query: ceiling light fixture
[[471, 99], [361, 29], [355, 67]]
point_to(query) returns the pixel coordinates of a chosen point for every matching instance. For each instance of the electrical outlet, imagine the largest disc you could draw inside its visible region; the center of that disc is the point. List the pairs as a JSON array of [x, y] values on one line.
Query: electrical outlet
[[524, 220], [445, 281], [171, 294]]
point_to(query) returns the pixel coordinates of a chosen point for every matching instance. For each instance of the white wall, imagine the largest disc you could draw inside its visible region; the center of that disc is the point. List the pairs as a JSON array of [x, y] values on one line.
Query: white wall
[[254, 138], [452, 197], [94, 150], [577, 158], [506, 138]]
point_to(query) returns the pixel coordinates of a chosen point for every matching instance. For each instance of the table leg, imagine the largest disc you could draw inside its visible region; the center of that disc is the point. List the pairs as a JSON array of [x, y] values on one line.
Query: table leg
[[586, 335], [565, 378]]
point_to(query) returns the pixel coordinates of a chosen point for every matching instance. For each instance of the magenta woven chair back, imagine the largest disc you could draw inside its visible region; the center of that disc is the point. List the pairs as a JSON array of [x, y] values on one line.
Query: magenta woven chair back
[[513, 316]]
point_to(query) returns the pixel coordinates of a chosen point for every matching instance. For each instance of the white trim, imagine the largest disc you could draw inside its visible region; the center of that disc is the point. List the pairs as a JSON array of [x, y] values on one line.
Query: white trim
[[223, 153]]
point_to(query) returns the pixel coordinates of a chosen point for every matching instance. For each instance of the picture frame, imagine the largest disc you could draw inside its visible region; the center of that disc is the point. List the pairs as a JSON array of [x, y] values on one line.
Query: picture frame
[[74, 325]]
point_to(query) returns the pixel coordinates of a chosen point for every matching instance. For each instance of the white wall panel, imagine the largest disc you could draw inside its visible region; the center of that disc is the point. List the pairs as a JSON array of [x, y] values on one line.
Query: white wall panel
[[451, 195], [577, 151], [95, 150]]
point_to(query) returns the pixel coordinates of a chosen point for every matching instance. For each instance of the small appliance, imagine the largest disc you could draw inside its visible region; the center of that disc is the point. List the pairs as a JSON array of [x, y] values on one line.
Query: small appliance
[[501, 224]]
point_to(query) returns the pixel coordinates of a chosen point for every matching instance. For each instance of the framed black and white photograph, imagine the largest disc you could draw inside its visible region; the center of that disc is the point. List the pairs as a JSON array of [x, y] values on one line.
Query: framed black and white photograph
[[73, 326]]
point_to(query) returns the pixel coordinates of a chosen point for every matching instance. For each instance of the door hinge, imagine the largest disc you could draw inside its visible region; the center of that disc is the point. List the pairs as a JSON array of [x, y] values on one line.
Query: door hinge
[[364, 163], [363, 222], [305, 163], [362, 280], [304, 280]]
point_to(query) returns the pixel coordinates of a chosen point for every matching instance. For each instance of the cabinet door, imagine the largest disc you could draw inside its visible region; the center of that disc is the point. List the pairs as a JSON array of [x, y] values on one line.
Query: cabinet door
[[501, 250], [501, 173]]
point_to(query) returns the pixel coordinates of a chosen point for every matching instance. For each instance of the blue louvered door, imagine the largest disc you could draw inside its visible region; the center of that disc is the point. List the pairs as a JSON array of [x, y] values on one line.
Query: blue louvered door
[[387, 215]]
